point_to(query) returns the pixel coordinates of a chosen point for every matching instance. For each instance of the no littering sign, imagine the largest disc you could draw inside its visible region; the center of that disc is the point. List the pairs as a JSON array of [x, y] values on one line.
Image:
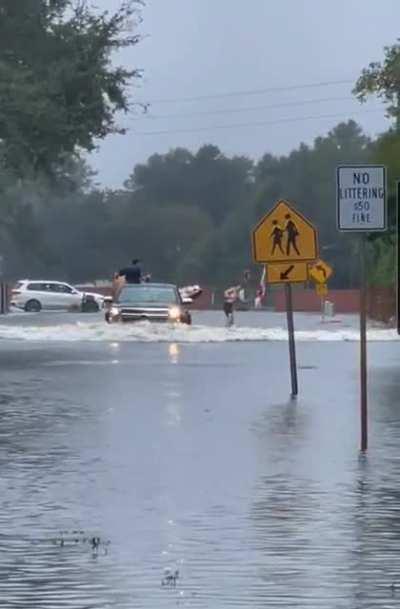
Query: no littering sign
[[361, 198]]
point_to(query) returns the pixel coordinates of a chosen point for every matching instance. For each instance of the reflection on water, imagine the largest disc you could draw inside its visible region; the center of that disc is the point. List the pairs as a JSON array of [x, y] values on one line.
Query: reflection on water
[[184, 466], [173, 350]]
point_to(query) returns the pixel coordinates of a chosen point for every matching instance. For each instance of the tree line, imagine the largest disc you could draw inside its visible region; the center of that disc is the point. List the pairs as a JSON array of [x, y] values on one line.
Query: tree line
[[187, 214]]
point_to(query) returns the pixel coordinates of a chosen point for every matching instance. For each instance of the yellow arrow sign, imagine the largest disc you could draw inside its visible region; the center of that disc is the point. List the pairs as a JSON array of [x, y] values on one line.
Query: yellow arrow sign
[[284, 235], [288, 272], [320, 272]]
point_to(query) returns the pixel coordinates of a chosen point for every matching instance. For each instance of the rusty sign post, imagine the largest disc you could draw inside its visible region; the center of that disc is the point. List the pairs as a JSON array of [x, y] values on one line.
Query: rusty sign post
[[286, 241]]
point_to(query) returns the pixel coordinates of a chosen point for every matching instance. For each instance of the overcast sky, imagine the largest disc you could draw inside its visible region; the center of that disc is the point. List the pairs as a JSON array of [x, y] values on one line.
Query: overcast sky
[[199, 48]]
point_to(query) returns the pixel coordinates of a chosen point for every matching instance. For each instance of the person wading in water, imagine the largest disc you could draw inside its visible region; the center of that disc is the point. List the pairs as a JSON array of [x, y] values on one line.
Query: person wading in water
[[230, 297]]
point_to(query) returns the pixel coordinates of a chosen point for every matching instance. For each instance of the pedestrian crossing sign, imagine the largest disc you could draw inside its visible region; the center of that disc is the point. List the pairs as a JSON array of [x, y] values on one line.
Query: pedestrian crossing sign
[[284, 235]]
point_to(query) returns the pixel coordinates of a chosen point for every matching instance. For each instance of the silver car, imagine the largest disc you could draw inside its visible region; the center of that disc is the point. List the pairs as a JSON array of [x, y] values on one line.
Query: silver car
[[35, 295]]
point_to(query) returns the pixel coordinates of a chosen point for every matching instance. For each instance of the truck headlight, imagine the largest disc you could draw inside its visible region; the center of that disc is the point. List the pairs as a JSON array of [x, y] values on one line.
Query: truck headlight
[[174, 313]]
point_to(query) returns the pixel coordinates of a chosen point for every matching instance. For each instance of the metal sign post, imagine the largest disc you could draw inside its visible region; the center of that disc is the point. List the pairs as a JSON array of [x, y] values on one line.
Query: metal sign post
[[361, 208], [292, 343], [3, 289], [363, 345], [398, 257], [286, 241]]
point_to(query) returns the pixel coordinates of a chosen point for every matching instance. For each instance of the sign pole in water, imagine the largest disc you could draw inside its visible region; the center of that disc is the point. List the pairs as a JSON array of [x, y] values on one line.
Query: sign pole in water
[[292, 343], [363, 345], [361, 208], [398, 257], [286, 241]]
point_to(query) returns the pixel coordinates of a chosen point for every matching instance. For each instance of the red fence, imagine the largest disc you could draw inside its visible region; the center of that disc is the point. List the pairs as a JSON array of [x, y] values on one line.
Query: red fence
[[381, 302], [104, 290], [204, 301], [345, 301]]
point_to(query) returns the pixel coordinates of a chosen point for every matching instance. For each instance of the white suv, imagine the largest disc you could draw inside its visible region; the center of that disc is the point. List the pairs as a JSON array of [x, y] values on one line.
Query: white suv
[[33, 296]]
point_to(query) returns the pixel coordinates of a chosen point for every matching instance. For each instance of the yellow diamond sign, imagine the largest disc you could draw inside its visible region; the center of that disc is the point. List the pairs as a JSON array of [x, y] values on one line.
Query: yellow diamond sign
[[284, 235], [320, 272]]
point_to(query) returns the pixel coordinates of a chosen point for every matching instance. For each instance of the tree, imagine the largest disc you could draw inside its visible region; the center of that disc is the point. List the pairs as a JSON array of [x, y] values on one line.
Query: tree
[[59, 90], [208, 179], [383, 79], [187, 215]]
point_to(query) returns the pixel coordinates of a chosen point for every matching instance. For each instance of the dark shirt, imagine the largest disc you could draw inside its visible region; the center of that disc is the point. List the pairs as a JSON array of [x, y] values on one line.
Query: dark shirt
[[132, 274]]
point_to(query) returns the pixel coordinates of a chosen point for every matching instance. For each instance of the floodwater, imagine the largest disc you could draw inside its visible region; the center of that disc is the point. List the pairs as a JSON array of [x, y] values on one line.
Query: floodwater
[[189, 455]]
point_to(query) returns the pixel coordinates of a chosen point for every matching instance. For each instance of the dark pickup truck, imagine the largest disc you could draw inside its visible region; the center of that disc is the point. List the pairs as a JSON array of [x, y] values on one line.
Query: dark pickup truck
[[158, 302]]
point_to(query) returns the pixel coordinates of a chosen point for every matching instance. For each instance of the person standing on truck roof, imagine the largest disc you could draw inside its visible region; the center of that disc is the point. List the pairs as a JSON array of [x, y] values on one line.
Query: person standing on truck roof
[[128, 275], [133, 273]]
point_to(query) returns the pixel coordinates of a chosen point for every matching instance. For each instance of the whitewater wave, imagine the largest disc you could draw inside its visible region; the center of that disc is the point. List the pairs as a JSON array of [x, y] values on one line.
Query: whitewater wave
[[145, 332]]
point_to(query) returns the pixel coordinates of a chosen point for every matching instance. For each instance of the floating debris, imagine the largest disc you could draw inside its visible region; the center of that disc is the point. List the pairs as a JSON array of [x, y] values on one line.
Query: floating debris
[[95, 543], [74, 538], [170, 578]]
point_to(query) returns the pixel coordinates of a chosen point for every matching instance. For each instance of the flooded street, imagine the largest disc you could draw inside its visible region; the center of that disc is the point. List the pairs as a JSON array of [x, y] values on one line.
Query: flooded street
[[189, 455]]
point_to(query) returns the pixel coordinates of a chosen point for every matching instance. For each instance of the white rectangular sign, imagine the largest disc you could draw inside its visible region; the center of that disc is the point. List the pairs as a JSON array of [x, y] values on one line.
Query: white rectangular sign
[[361, 198]]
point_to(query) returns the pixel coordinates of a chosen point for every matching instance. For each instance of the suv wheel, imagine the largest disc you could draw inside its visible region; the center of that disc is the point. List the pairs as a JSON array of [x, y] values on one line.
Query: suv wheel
[[90, 306], [33, 306]]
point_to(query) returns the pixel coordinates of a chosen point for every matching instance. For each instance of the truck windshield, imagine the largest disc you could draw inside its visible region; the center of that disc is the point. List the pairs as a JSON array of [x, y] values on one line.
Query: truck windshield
[[139, 294]]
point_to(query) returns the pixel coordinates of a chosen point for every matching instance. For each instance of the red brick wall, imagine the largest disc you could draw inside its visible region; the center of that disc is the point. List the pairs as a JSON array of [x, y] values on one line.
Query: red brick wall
[[104, 290], [345, 301], [382, 304], [204, 301]]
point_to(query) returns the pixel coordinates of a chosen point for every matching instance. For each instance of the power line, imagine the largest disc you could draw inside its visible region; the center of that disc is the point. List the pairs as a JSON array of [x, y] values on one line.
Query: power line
[[305, 102], [256, 124], [314, 85]]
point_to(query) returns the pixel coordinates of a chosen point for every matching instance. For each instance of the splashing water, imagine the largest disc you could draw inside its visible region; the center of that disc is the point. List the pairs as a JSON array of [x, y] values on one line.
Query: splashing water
[[146, 332]]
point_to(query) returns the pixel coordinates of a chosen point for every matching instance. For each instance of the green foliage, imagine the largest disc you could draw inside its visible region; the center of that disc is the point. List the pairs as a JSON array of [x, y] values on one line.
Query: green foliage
[[187, 215], [59, 90], [208, 179], [383, 79], [382, 266], [386, 151]]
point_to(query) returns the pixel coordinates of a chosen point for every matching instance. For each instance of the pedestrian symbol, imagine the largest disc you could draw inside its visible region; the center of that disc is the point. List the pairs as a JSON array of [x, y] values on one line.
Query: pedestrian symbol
[[284, 235], [292, 235], [277, 237]]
